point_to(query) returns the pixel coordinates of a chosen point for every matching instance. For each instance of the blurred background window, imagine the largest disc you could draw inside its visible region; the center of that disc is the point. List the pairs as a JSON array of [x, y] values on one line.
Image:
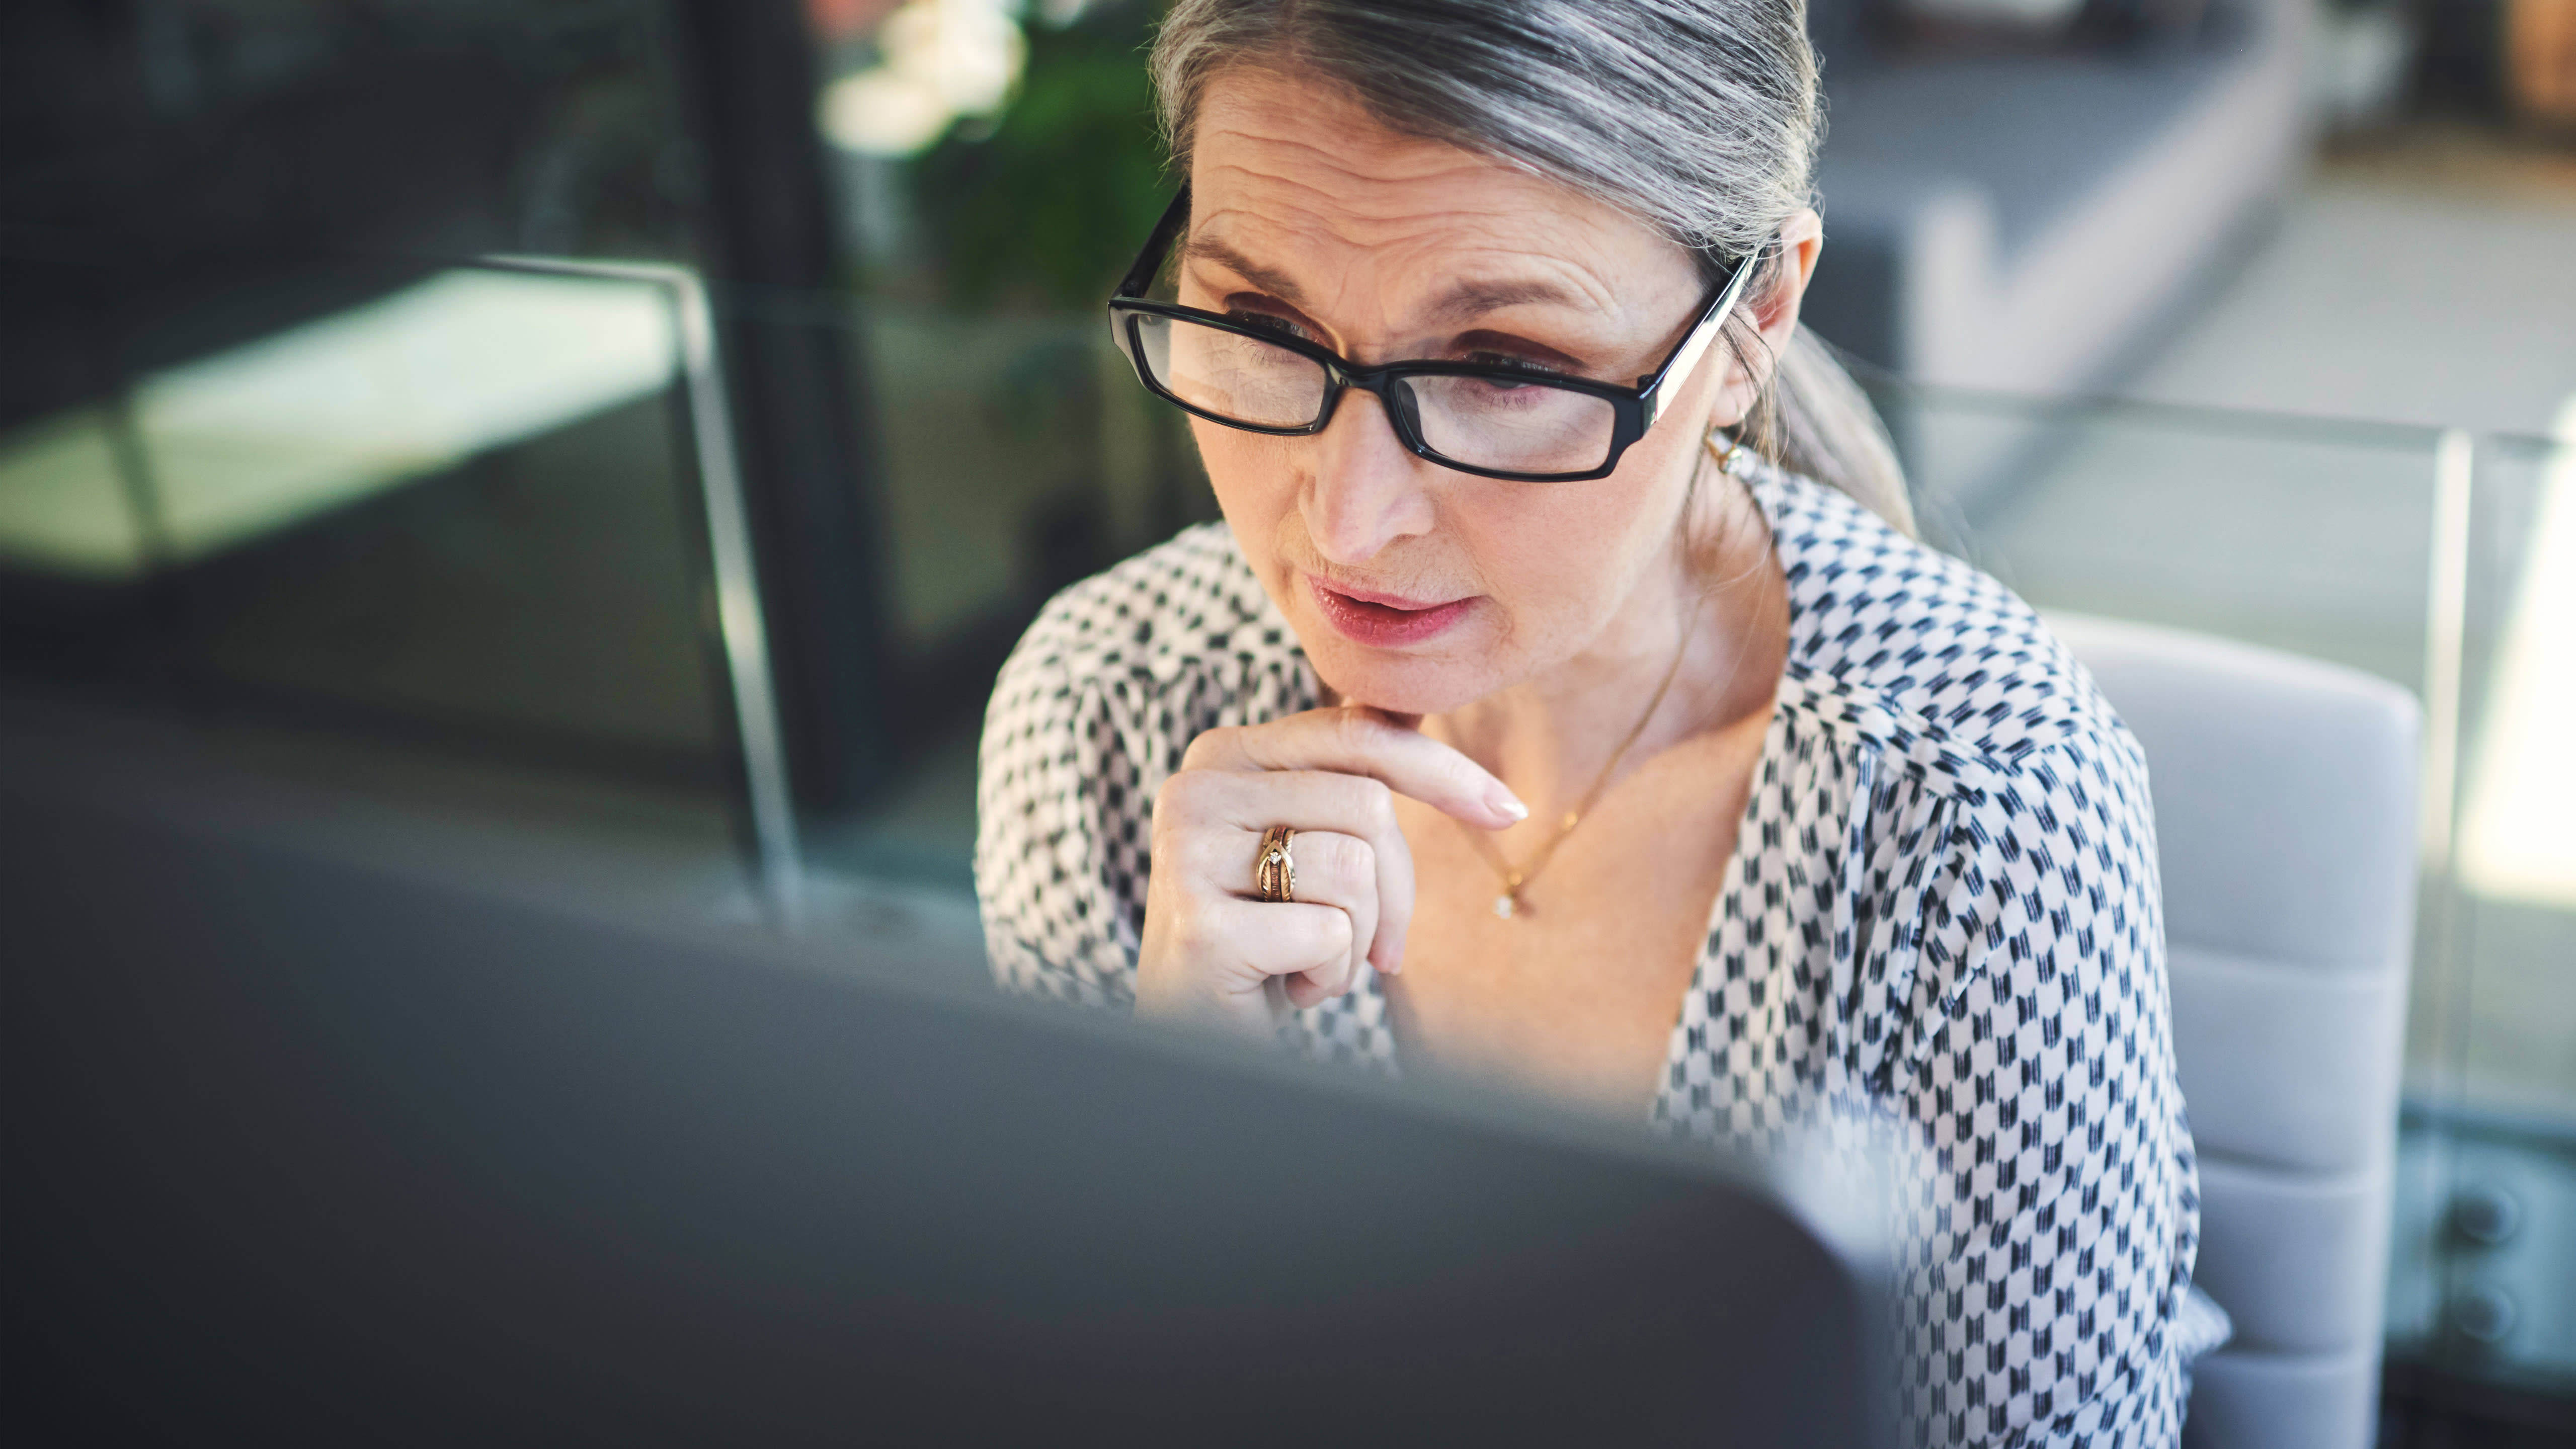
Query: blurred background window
[[456, 508], [992, 163], [276, 455]]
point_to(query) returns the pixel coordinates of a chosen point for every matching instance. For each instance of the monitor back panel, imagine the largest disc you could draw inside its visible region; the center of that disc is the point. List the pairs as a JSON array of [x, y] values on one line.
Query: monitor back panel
[[299, 1151]]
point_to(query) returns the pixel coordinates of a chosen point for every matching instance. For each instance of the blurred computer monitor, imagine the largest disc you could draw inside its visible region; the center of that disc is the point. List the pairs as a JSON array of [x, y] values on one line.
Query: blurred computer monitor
[[301, 1150]]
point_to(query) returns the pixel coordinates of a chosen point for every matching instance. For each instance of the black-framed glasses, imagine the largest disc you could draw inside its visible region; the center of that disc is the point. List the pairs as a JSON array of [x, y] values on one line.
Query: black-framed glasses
[[1496, 421]]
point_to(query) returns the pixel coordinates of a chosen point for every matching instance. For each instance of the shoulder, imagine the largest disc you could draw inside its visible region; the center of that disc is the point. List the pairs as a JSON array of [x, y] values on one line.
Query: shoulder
[[1998, 806], [1935, 666]]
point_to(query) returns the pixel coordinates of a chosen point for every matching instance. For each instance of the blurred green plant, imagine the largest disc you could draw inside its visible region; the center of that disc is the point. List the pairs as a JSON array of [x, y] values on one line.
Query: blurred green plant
[[1044, 209]]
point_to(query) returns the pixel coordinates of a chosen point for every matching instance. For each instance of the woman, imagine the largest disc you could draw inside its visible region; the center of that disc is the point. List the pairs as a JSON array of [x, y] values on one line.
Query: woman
[[1538, 712]]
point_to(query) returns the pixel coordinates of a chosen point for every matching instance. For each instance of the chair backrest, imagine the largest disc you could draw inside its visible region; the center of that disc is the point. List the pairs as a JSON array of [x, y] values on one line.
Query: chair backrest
[[2285, 798]]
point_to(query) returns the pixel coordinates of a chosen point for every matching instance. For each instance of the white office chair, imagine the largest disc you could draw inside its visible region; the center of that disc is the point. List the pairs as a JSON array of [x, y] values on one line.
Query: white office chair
[[2285, 797]]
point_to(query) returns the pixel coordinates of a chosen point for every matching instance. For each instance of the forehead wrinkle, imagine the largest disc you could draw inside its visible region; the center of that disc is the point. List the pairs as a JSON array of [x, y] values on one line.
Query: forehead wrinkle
[[1415, 233], [1370, 156], [1339, 163], [1327, 200], [1343, 212], [1444, 292], [1369, 182], [1514, 276], [1488, 276]]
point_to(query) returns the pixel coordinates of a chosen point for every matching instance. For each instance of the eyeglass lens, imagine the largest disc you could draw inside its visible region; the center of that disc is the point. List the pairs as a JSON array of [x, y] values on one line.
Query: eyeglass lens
[[1240, 378], [1505, 425]]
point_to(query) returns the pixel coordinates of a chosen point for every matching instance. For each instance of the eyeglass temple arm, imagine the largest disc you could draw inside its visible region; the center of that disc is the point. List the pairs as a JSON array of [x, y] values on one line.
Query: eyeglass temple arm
[[1677, 368], [1140, 274]]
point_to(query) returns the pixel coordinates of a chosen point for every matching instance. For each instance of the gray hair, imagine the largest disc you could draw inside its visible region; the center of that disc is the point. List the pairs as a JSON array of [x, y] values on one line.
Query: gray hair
[[1700, 117]]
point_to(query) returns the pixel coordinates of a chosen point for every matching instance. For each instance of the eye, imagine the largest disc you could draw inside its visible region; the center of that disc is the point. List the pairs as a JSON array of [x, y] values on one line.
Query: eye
[[1269, 322], [1505, 360]]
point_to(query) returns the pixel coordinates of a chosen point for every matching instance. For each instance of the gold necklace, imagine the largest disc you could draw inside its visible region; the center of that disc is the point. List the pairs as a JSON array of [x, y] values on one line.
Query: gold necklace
[[1516, 879]]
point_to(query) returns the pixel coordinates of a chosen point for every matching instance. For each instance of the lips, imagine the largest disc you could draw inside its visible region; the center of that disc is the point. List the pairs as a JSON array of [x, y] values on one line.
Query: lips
[[1384, 621]]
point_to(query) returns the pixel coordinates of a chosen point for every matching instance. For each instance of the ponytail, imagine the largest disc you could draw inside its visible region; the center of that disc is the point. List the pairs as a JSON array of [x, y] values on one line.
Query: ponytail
[[1820, 423]]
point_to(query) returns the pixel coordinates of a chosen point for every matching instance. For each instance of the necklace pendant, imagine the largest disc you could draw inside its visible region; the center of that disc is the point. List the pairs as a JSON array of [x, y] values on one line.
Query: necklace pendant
[[1505, 904]]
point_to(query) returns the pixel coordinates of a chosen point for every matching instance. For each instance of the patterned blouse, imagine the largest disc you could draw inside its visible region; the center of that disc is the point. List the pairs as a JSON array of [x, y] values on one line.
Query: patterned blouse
[[1943, 913]]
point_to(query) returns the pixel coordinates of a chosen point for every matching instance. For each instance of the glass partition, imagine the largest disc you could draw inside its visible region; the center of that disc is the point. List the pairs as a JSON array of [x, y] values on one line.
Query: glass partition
[[2310, 536], [2492, 1134], [2515, 850]]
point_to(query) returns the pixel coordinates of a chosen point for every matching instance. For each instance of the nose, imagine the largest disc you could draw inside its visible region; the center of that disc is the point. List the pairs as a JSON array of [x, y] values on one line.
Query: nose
[[1366, 490]]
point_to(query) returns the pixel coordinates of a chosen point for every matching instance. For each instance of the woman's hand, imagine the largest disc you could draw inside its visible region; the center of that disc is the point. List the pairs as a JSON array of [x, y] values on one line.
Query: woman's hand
[[1211, 944]]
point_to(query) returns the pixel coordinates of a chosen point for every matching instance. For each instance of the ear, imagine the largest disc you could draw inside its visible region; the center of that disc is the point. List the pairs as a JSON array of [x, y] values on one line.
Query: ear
[[1773, 315]]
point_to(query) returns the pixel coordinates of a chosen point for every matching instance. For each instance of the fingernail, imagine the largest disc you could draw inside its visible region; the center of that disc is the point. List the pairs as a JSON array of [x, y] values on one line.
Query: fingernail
[[1504, 802]]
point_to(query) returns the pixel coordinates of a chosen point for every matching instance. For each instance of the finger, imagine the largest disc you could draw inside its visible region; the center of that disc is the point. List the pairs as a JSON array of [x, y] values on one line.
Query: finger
[[1331, 869], [1303, 990], [1340, 870], [1307, 945], [1240, 803], [1357, 741]]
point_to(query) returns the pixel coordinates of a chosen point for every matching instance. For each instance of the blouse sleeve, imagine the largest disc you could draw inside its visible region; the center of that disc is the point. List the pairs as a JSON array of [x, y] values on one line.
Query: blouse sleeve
[[2056, 1202], [1057, 873]]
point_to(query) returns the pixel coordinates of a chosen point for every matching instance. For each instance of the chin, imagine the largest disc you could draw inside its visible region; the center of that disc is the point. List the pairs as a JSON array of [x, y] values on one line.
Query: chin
[[1398, 684]]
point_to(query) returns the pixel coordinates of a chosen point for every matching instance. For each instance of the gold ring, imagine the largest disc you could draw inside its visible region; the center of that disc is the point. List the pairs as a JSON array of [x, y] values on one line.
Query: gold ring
[[1274, 873]]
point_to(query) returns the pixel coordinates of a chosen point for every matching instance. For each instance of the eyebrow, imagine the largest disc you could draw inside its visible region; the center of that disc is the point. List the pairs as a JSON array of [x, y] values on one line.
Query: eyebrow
[[1475, 299], [1268, 279], [1465, 300]]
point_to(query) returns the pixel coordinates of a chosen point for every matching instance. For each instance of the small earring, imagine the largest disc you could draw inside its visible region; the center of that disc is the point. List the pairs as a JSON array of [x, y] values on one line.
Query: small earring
[[1734, 453]]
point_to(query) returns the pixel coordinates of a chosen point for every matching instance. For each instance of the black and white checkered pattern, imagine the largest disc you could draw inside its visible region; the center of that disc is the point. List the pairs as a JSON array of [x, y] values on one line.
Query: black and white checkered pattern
[[1942, 919]]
